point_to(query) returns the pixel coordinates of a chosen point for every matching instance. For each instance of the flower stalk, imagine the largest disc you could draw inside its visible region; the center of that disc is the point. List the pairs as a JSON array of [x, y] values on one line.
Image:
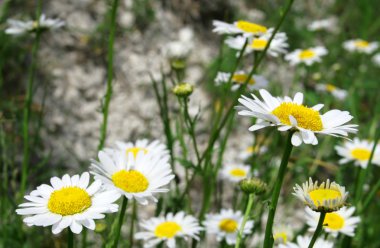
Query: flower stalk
[[246, 216], [318, 230]]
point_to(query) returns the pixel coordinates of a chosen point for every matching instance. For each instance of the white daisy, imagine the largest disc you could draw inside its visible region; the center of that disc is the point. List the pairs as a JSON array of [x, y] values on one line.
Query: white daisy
[[169, 228], [226, 225], [327, 197], [358, 151], [68, 202], [282, 234], [361, 46], [287, 114], [235, 173], [328, 24], [304, 241], [308, 56], [340, 94], [337, 222], [277, 46], [238, 27], [136, 177], [17, 27], [250, 150], [376, 59], [155, 147], [239, 78]]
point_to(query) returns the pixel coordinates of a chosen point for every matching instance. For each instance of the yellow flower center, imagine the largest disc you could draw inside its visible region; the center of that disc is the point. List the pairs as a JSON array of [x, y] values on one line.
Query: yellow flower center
[[334, 221], [250, 27], [69, 201], [320, 195], [251, 149], [307, 118], [361, 44], [130, 181], [241, 78], [360, 153], [281, 237], [307, 54], [238, 172], [167, 229], [330, 87], [136, 150], [259, 44], [228, 225]]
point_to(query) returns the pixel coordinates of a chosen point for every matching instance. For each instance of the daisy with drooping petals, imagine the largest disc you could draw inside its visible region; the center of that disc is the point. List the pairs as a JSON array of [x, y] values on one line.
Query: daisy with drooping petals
[[304, 241], [68, 202], [337, 222], [154, 148], [282, 234], [340, 94], [239, 78], [135, 177], [277, 46], [361, 46], [169, 228], [358, 151], [326, 197], [291, 114], [235, 173], [308, 56], [238, 27], [17, 27], [226, 225]]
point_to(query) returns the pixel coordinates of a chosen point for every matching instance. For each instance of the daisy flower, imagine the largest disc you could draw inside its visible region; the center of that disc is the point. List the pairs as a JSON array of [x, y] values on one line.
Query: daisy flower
[[235, 173], [361, 46], [359, 152], [68, 202], [250, 150], [154, 148], [282, 234], [168, 228], [327, 197], [328, 24], [340, 94], [304, 241], [136, 177], [337, 222], [308, 56], [238, 27], [239, 78], [290, 114], [17, 27], [226, 225], [277, 46]]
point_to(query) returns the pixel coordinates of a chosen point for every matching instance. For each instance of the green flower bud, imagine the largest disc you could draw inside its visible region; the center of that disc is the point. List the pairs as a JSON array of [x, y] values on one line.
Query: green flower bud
[[183, 89], [253, 186]]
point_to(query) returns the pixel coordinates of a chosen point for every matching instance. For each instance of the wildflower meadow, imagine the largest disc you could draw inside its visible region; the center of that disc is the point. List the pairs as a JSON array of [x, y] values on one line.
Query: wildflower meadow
[[141, 123]]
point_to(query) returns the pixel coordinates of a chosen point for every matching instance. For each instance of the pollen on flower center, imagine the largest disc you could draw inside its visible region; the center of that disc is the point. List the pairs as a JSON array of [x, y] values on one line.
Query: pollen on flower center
[[69, 201], [333, 221], [228, 225], [130, 181], [321, 195], [167, 229], [330, 87], [241, 78], [259, 44], [307, 54], [250, 27], [362, 44], [307, 118], [361, 153], [136, 150], [281, 236], [238, 172]]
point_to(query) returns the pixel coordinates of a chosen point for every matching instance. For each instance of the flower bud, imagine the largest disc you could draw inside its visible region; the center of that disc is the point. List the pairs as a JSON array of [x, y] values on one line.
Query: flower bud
[[253, 186], [183, 89]]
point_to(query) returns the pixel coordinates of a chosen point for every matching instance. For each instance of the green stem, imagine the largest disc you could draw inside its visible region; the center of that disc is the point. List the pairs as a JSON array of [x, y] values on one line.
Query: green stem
[[133, 218], [191, 127], [107, 100], [28, 103], [268, 240], [70, 238], [246, 216], [120, 220], [370, 196], [318, 230]]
